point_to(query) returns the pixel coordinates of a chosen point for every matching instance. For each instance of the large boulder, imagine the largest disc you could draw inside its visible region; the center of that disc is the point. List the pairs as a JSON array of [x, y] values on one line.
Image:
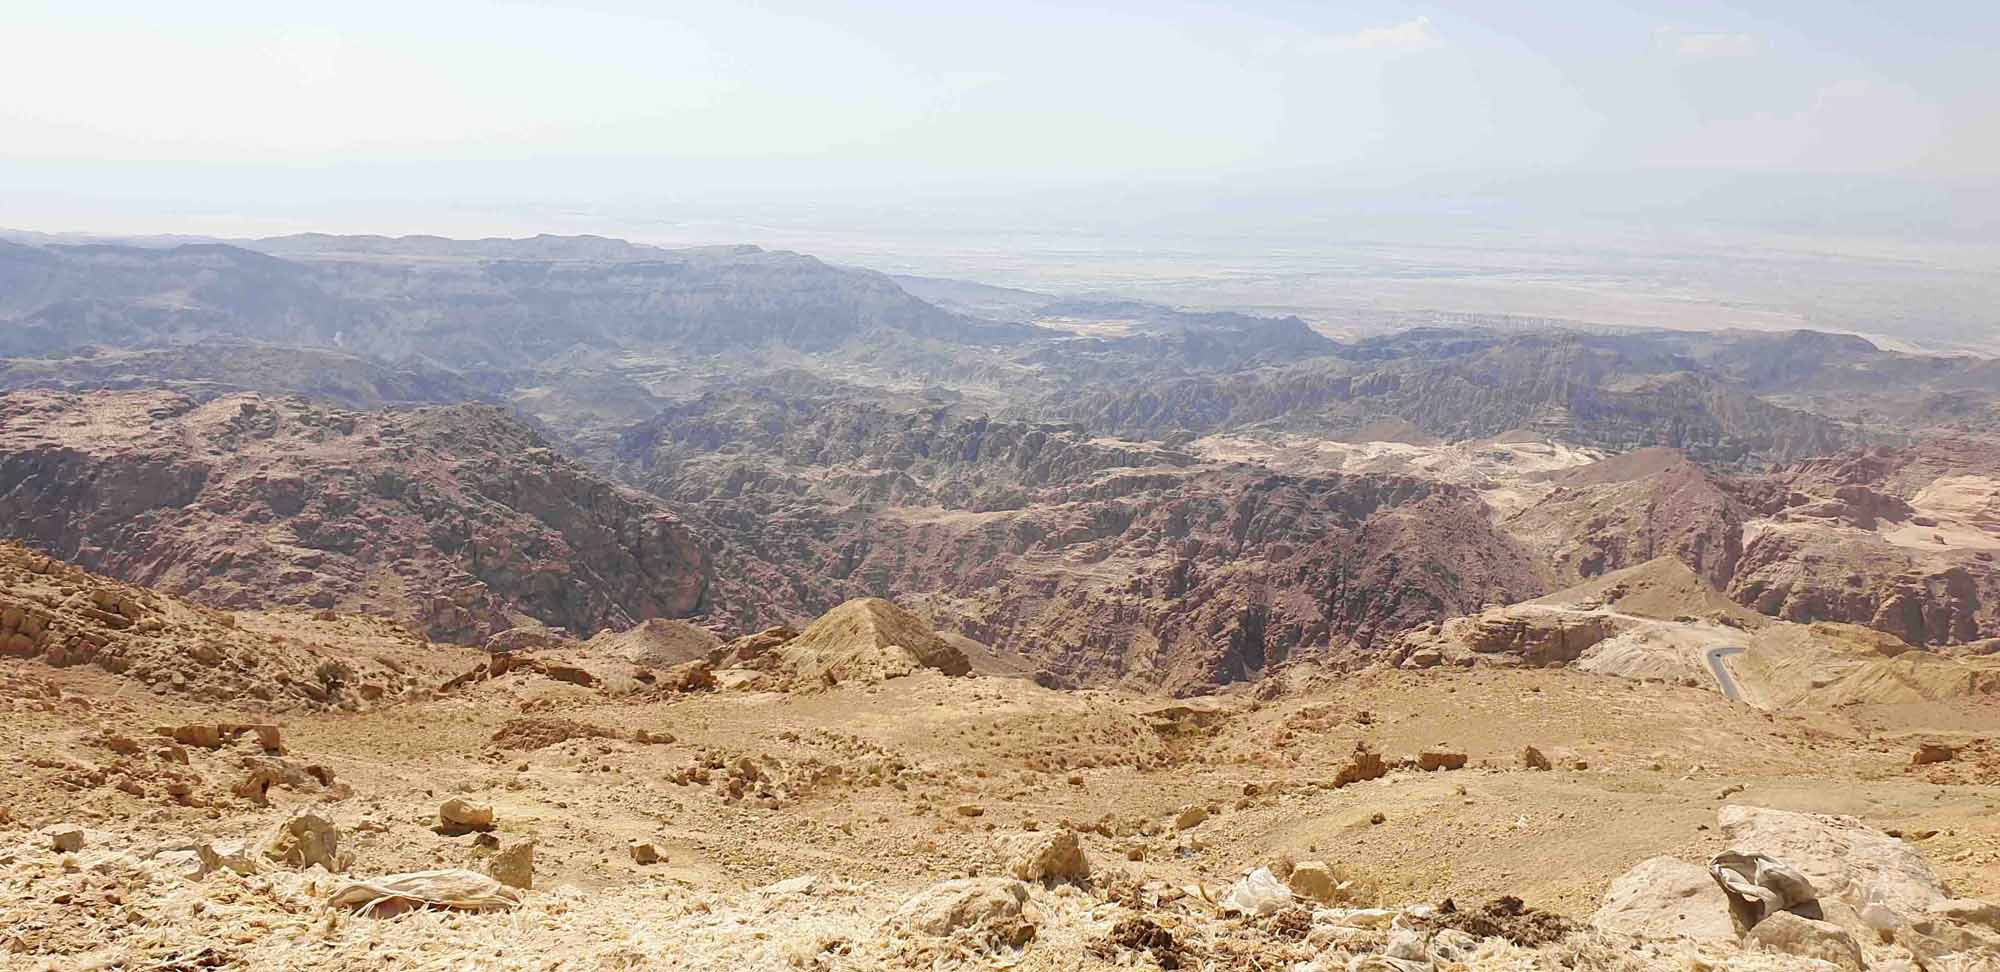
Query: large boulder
[[1666, 897], [1850, 864]]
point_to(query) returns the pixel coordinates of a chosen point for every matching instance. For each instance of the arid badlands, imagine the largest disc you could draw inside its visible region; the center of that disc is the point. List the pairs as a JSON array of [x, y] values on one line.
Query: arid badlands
[[566, 604]]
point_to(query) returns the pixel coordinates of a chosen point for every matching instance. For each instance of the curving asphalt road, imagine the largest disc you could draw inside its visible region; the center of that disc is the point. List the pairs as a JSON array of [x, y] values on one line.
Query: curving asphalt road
[[1722, 674]]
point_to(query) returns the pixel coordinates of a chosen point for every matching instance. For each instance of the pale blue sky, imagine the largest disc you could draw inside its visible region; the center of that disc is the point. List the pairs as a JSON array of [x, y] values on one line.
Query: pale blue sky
[[244, 104]]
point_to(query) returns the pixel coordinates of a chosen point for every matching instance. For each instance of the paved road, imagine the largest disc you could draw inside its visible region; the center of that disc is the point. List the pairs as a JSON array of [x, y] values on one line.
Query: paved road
[[1722, 674]]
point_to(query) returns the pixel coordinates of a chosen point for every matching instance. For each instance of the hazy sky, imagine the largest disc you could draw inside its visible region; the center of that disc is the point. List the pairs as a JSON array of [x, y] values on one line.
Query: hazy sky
[[245, 105]]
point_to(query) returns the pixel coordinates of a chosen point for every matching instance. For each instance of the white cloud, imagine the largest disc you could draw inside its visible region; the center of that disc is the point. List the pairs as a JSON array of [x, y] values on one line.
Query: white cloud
[[1705, 43], [1410, 35]]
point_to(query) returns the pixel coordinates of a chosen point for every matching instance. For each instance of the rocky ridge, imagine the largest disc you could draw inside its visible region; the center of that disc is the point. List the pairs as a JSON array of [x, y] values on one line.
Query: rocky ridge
[[453, 519]]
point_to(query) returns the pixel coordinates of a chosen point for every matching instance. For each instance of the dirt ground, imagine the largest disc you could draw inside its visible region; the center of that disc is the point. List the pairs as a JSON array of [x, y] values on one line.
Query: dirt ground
[[876, 792]]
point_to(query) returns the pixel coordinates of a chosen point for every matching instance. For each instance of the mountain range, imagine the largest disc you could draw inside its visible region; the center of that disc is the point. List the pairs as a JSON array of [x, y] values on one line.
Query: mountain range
[[581, 432]]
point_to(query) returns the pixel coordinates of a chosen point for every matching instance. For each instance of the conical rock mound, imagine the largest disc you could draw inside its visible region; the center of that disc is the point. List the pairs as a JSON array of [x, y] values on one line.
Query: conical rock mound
[[869, 639]]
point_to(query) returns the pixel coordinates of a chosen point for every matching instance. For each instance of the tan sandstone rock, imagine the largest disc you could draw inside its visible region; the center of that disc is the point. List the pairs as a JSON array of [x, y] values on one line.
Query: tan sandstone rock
[[1056, 856], [461, 812], [1438, 758], [1932, 752], [1313, 880], [514, 865], [304, 841], [1364, 764], [1788, 933], [965, 903], [65, 839], [1665, 897]]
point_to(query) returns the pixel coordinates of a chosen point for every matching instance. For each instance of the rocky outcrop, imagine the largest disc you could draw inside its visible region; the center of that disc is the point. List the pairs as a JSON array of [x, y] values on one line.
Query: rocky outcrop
[[1631, 509], [454, 519], [658, 643], [1523, 635], [1850, 864], [1801, 576], [61, 615], [1900, 540]]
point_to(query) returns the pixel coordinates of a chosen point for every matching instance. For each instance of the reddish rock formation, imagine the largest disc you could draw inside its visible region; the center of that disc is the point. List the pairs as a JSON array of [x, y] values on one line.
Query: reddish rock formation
[[454, 518], [1900, 540], [1631, 509]]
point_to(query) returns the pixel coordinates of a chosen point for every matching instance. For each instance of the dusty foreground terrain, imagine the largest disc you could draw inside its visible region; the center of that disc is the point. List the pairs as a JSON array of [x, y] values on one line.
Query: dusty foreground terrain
[[799, 808]]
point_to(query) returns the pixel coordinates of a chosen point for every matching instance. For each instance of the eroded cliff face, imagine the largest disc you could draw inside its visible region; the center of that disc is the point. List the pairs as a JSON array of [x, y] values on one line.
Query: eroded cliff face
[[1901, 540], [454, 519], [1101, 559]]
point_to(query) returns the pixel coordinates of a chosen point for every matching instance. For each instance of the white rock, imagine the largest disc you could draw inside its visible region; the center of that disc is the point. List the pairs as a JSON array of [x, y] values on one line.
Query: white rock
[[792, 885], [1407, 944], [1259, 893], [1452, 945]]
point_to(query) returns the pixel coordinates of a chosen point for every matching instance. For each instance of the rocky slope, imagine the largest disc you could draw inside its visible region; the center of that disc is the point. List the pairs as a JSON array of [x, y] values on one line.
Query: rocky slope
[[454, 519], [60, 615], [939, 821], [1900, 539], [1122, 489]]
